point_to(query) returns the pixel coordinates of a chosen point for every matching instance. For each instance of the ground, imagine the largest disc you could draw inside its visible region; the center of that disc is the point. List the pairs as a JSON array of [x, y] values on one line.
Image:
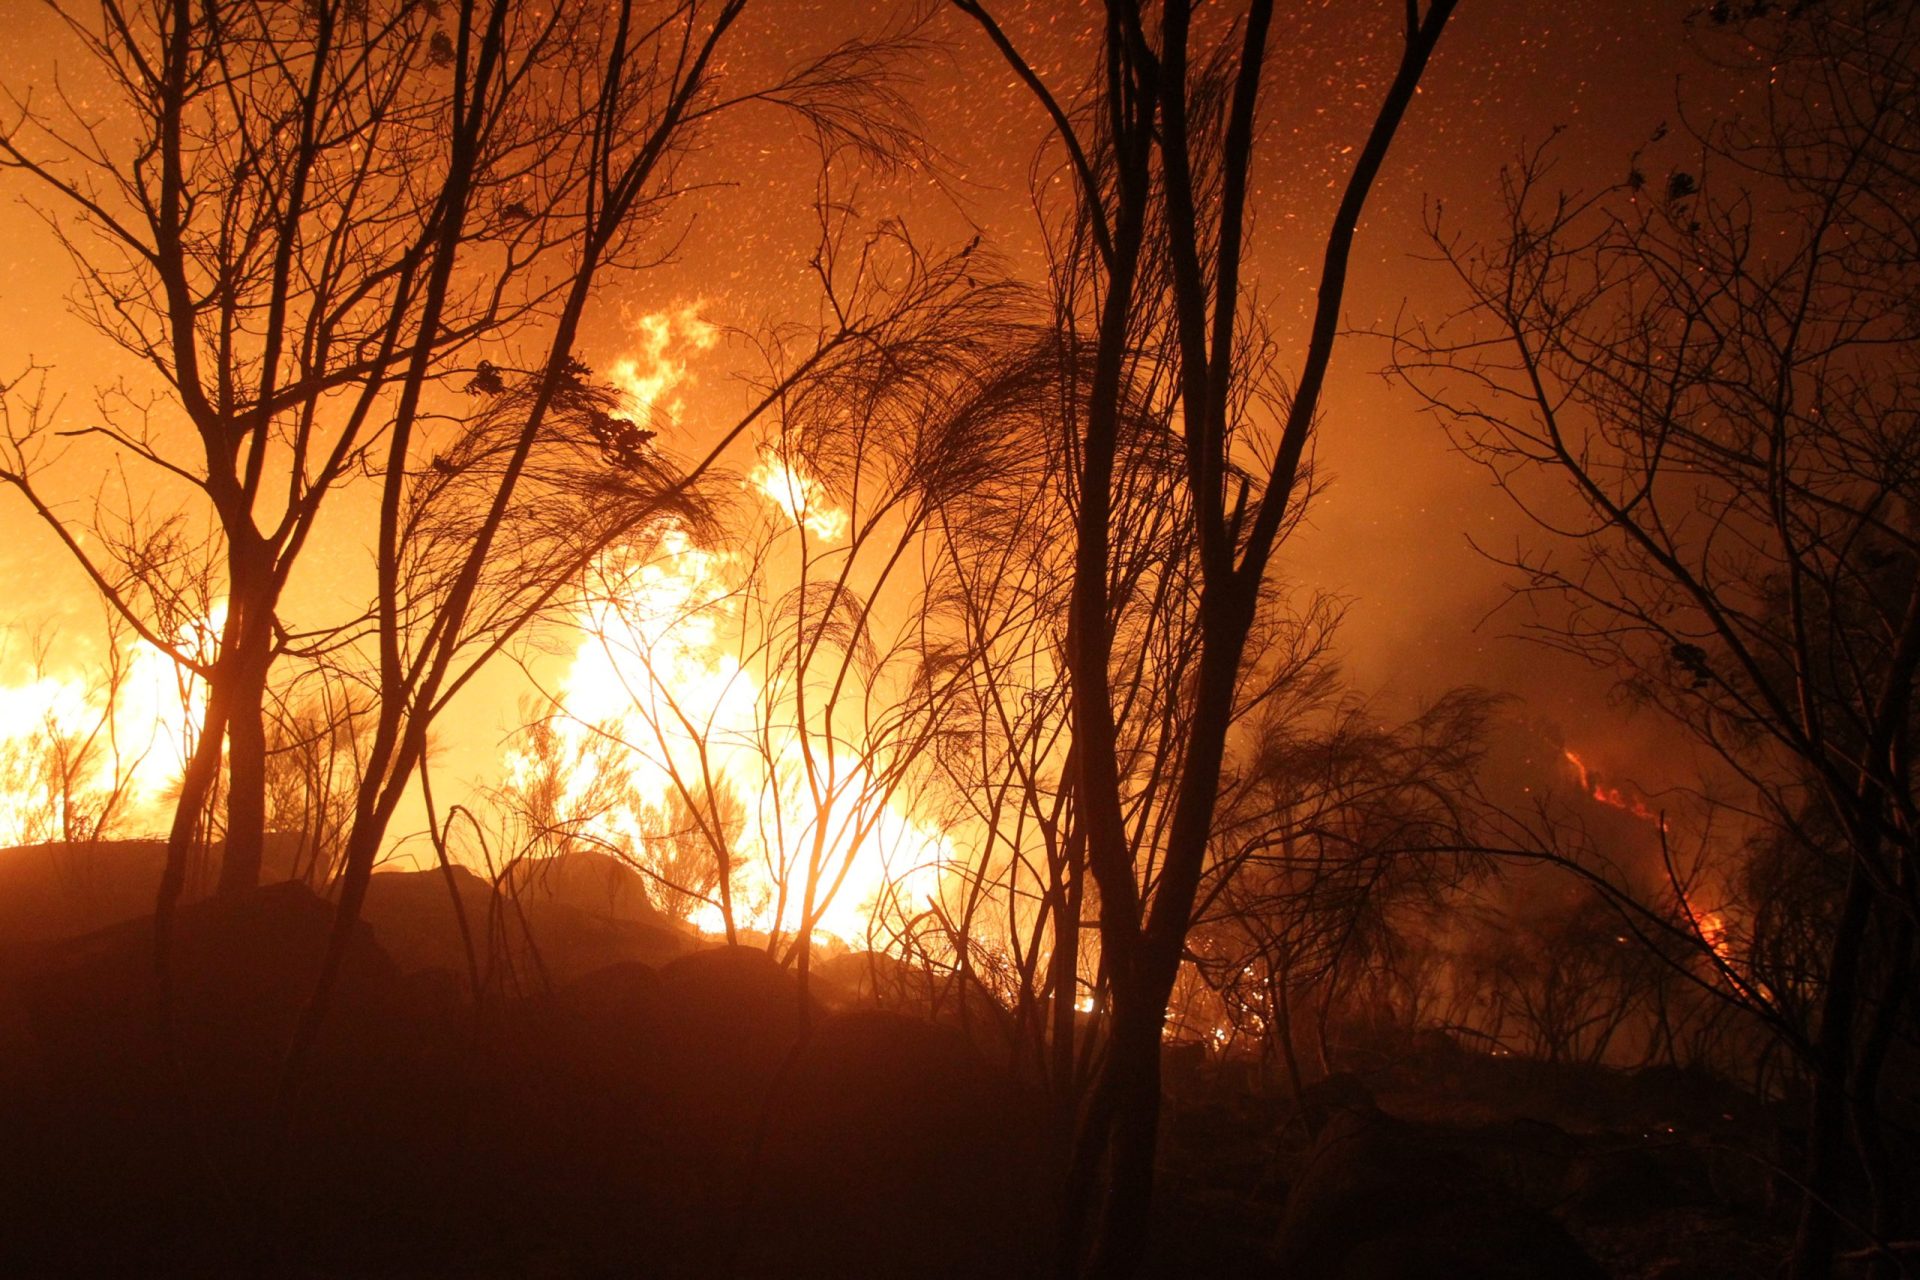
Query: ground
[[633, 1100]]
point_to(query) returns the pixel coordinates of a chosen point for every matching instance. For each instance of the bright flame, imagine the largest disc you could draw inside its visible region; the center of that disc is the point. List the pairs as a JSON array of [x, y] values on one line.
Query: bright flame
[[666, 339], [75, 752], [800, 497], [660, 718], [1591, 783], [1712, 928], [657, 683]]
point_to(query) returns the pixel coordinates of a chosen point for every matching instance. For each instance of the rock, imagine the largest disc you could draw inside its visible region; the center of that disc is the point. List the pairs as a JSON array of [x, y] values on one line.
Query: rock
[[856, 979], [147, 1144], [521, 946], [1382, 1199], [930, 1174]]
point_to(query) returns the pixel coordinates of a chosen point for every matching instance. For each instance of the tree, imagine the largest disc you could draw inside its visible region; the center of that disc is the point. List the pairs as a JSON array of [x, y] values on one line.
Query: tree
[[1703, 386], [325, 211], [273, 246], [1161, 161], [1338, 839], [353, 245]]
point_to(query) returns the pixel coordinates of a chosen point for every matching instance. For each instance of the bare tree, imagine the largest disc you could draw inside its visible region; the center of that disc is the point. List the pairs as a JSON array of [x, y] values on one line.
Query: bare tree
[[324, 210], [272, 244], [1339, 841], [1161, 162], [1703, 382], [316, 741]]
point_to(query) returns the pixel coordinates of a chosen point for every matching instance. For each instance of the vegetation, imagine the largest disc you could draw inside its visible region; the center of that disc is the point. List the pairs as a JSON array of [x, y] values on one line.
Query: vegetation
[[928, 771]]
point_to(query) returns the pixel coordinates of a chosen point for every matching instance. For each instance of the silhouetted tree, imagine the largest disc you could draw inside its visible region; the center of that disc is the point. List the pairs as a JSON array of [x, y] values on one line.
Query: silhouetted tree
[[460, 579], [1339, 841], [273, 242], [1161, 161], [1706, 386], [322, 211]]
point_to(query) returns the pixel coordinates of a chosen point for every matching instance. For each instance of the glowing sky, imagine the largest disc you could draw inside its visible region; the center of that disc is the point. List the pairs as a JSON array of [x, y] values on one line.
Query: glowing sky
[[1390, 533]]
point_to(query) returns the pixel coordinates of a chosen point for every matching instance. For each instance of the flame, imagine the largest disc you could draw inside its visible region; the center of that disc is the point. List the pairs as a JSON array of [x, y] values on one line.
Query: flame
[[1712, 928], [666, 340], [1614, 797], [800, 498], [657, 707], [78, 751], [656, 680]]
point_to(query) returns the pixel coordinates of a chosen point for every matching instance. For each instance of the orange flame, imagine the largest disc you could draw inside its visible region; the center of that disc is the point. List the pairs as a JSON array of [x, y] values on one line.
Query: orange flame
[[656, 674], [666, 339], [1613, 797], [1712, 928], [658, 701], [71, 745]]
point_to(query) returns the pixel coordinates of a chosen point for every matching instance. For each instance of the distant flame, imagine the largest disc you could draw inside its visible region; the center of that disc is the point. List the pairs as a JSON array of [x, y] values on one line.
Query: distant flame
[[1712, 927], [1590, 782]]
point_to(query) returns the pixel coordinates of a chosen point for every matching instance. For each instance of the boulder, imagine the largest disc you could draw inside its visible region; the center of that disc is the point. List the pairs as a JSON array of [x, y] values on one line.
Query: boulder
[[1382, 1199], [893, 1150]]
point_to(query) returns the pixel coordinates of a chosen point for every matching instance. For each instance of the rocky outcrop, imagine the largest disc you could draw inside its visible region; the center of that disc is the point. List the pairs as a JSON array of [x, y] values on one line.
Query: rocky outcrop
[[1382, 1199]]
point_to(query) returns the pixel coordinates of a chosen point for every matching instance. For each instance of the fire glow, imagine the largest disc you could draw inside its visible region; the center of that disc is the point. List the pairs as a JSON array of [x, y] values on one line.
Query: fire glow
[[1613, 797], [657, 695], [668, 719], [82, 754]]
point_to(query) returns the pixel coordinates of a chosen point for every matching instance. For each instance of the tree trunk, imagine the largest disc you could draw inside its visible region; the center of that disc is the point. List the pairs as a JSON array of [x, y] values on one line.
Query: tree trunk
[[1885, 1194], [1063, 973], [246, 770], [248, 638], [1129, 1088], [1818, 1233], [196, 784]]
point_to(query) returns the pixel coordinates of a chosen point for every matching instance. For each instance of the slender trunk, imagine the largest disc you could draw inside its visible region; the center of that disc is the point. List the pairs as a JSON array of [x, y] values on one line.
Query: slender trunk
[[1818, 1233], [1079, 1187], [1296, 1084], [248, 640], [196, 784], [1886, 1201], [1063, 974], [241, 859], [1130, 1085]]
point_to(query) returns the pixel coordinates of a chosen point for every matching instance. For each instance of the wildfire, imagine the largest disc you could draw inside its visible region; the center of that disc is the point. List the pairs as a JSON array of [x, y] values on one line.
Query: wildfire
[[667, 722], [658, 704], [1712, 928], [1614, 797], [799, 497], [666, 339], [76, 754]]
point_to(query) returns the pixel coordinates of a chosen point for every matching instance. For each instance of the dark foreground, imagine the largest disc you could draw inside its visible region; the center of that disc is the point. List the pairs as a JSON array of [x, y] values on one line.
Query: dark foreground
[[639, 1106]]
